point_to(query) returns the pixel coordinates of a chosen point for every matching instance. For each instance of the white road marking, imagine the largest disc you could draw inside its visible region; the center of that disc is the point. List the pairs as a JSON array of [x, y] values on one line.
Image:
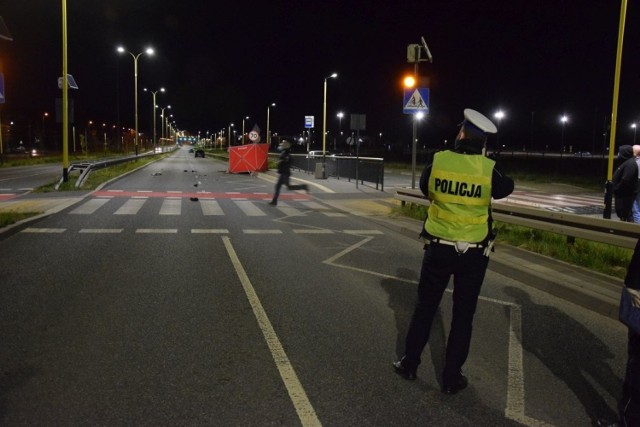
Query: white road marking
[[101, 230], [157, 231], [211, 207], [171, 207], [44, 230], [262, 231], [130, 207], [297, 394], [209, 231], [312, 231], [322, 209], [249, 208], [89, 206]]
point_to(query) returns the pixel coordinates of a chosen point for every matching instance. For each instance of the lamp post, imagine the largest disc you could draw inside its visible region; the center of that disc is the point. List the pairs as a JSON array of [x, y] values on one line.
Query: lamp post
[[229, 140], [564, 119], [162, 135], [246, 118], [154, 92], [148, 51], [44, 116], [273, 104], [324, 124], [499, 115], [634, 127]]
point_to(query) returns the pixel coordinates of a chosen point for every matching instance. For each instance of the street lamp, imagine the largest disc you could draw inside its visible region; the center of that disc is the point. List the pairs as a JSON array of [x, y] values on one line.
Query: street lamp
[[162, 135], [633, 126], [229, 140], [324, 124], [499, 115], [268, 137], [246, 118], [564, 119], [148, 51], [154, 92], [44, 116]]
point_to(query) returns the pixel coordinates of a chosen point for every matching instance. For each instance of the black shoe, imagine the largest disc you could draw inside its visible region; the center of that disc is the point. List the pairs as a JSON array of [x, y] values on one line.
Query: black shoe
[[273, 203], [455, 386], [402, 370]]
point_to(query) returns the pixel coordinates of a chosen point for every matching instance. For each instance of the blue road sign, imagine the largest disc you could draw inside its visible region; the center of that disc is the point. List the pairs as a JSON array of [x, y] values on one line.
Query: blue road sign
[[416, 100], [308, 122]]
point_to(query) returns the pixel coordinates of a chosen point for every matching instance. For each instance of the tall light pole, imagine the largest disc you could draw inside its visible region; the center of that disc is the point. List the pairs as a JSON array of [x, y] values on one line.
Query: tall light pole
[[633, 126], [324, 124], [44, 116], [154, 92], [162, 135], [273, 104], [246, 118], [148, 51], [564, 119], [229, 140], [499, 115]]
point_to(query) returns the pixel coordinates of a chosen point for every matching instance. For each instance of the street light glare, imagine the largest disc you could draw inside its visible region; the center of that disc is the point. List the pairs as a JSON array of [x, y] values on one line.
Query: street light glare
[[419, 115], [409, 81], [564, 119], [120, 49], [499, 115], [334, 75], [149, 51]]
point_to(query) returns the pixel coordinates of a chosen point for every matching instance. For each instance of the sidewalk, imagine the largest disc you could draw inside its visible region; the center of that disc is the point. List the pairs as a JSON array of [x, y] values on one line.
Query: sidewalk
[[591, 290]]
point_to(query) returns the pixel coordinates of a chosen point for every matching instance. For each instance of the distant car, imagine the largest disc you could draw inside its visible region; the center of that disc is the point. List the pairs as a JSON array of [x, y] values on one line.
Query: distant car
[[314, 154], [200, 153], [191, 150]]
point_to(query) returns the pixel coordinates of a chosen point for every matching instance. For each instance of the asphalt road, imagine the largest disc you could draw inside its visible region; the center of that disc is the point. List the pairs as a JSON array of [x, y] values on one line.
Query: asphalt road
[[177, 296]]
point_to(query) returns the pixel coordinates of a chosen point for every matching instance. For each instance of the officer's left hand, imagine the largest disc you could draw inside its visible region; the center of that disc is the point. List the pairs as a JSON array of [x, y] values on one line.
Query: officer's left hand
[[635, 297]]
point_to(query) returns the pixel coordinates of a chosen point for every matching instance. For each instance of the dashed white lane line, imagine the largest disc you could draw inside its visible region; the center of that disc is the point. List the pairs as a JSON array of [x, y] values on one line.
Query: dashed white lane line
[[157, 231]]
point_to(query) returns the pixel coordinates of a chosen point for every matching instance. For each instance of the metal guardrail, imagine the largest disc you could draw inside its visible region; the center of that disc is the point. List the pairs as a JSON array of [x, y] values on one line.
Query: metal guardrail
[[617, 233], [85, 168]]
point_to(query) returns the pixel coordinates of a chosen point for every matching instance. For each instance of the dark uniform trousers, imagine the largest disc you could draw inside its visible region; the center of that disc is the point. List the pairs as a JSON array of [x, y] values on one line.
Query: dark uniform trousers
[[468, 269], [629, 405], [283, 179]]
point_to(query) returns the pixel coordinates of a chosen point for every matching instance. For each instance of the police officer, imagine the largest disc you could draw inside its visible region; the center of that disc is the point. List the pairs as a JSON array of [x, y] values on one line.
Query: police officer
[[284, 171], [460, 184]]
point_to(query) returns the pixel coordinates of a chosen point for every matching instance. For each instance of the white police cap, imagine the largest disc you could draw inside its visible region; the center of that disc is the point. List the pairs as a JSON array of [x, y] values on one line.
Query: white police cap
[[480, 121]]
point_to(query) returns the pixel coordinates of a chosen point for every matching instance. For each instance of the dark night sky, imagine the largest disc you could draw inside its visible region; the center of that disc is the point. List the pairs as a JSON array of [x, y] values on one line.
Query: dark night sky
[[221, 61]]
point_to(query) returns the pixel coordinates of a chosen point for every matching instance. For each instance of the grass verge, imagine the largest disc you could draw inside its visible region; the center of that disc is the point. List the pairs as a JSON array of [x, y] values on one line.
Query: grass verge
[[600, 257], [8, 218]]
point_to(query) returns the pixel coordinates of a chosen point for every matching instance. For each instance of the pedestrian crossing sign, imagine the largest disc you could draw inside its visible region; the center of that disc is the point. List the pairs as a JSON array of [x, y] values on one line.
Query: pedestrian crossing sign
[[416, 100]]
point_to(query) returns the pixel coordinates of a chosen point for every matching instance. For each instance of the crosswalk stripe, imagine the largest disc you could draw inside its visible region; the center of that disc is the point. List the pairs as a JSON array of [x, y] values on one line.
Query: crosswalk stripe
[[249, 208], [171, 207], [289, 210], [130, 207], [89, 206], [211, 207]]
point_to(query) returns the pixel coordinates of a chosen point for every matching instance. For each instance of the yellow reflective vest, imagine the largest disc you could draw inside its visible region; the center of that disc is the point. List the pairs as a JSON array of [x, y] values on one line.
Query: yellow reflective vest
[[460, 194]]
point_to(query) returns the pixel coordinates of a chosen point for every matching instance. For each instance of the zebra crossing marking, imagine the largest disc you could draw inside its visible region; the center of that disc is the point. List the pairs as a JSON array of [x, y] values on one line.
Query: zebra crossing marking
[[171, 206], [89, 207], [130, 207]]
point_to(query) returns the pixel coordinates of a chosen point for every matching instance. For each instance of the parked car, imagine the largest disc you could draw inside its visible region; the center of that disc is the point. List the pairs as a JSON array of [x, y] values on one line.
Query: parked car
[[200, 152]]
